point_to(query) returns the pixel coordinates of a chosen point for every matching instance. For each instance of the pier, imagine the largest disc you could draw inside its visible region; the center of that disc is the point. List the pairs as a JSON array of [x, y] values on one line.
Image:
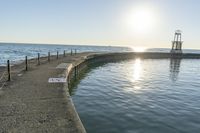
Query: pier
[[36, 99], [29, 103]]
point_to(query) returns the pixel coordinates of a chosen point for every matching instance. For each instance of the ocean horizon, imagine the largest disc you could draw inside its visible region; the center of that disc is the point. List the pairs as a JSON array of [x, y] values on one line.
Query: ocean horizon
[[16, 52]]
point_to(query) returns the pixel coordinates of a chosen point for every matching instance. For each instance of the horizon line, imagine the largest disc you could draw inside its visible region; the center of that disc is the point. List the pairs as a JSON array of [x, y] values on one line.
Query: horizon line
[[97, 45]]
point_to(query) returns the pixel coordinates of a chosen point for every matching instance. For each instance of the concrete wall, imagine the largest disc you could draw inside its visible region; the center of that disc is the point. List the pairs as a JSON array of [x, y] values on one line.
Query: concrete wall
[[92, 59]]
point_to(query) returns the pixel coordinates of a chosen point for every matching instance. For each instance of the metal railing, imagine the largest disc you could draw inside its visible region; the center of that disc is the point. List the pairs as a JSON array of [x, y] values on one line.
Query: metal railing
[[27, 64]]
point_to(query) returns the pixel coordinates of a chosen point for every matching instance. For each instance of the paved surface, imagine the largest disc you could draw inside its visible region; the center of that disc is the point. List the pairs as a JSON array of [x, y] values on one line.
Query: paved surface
[[30, 104]]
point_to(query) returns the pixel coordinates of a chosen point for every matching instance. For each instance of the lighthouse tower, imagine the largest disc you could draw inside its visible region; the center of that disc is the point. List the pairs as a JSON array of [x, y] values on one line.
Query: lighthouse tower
[[177, 43]]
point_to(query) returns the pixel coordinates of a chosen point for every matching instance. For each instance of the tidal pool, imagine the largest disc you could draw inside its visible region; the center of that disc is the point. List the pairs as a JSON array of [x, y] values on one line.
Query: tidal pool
[[140, 96]]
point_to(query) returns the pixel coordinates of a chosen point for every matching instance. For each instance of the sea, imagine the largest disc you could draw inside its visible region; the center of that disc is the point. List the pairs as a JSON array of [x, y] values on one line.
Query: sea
[[16, 52], [132, 96]]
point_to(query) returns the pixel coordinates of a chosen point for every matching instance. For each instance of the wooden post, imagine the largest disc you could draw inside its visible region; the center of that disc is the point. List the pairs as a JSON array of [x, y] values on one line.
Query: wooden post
[[57, 54], [38, 58], [64, 53], [75, 51], [71, 51], [8, 65], [48, 56], [26, 62]]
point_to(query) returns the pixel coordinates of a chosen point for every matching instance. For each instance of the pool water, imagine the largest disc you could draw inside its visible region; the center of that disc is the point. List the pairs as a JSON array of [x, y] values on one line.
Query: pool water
[[140, 96]]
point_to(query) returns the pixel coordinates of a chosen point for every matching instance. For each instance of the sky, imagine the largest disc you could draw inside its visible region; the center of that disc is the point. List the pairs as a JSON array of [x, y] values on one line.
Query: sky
[[136, 23]]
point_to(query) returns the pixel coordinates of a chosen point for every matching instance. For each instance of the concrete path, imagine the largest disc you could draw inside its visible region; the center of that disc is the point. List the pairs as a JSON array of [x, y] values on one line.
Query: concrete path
[[30, 104]]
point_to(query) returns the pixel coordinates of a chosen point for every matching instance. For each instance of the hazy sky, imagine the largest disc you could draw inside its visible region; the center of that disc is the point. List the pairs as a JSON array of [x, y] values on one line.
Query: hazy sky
[[145, 23]]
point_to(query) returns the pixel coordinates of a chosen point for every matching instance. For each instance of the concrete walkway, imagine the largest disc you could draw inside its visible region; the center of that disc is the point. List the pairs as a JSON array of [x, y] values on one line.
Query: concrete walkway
[[30, 104]]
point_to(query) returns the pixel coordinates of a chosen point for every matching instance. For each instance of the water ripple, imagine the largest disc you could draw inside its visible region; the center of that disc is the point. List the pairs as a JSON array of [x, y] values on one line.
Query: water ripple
[[144, 96]]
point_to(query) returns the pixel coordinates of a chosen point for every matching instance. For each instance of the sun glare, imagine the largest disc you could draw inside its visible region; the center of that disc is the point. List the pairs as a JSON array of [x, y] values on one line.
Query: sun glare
[[141, 19], [137, 70], [139, 49], [135, 75]]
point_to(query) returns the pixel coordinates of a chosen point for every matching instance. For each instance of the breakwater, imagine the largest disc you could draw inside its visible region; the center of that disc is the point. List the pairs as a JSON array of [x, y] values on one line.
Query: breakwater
[[112, 57], [150, 55], [30, 102]]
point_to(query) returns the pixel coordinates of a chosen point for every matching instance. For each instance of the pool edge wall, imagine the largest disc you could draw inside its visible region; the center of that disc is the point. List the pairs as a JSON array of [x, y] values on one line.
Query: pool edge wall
[[77, 66]]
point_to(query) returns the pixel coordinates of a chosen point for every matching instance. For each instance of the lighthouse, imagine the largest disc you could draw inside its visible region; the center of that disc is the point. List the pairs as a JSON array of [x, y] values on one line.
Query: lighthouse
[[177, 43]]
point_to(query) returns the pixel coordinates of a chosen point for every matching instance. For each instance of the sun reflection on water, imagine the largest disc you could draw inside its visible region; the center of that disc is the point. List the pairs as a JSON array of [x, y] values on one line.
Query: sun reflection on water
[[137, 70], [134, 76]]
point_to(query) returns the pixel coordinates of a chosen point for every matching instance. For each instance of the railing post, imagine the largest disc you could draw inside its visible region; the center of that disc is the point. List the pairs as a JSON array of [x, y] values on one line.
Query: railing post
[[48, 56], [68, 80], [64, 53], [75, 51], [8, 65], [57, 54], [75, 72], [26, 61], [38, 58], [78, 69], [71, 51]]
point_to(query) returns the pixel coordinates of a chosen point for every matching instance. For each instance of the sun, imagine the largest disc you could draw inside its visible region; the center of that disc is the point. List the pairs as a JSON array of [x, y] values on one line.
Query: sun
[[141, 19]]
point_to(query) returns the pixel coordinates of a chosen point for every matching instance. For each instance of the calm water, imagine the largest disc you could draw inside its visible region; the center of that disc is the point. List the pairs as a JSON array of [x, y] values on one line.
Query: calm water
[[140, 96], [17, 52]]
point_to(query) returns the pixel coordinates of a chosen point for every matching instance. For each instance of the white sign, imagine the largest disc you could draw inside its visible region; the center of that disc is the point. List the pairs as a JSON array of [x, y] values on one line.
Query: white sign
[[63, 65], [57, 80]]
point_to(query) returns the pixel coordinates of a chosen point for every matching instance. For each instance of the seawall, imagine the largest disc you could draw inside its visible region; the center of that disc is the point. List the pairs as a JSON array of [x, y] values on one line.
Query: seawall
[[29, 103]]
